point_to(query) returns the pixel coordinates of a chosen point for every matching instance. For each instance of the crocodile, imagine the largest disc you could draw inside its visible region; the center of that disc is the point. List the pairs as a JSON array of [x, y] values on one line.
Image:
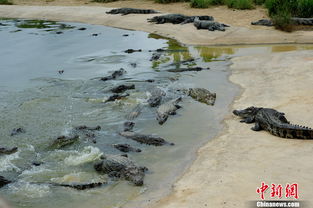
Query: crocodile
[[128, 125], [116, 97], [188, 69], [122, 88], [264, 22], [156, 97], [114, 75], [294, 21], [126, 148], [63, 141], [80, 186], [132, 50], [87, 132], [126, 11], [167, 109], [274, 122], [145, 139], [83, 127], [134, 113], [17, 131], [4, 181], [155, 56], [5, 151], [178, 19], [210, 25], [121, 167], [202, 95]]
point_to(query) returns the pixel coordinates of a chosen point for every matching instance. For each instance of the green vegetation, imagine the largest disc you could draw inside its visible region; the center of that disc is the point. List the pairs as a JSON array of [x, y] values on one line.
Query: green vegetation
[[104, 1], [204, 3], [299, 8], [281, 11], [168, 1], [42, 24], [5, 2], [237, 4], [259, 2], [240, 4]]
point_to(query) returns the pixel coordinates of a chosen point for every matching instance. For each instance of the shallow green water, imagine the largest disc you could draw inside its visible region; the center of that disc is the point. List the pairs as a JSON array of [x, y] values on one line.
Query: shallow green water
[[33, 95]]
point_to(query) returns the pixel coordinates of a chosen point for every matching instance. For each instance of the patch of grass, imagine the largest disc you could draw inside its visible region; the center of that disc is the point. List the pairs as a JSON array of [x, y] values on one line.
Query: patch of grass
[[5, 2], [103, 1], [282, 21], [204, 3], [281, 11], [304, 8], [258, 2], [169, 1], [240, 4], [296, 8]]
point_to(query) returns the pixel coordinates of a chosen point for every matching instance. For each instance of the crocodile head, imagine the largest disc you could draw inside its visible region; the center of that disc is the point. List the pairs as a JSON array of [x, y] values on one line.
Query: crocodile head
[[248, 112]]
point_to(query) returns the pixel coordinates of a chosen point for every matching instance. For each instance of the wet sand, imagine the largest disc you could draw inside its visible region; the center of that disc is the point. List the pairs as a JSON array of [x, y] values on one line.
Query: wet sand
[[240, 32], [229, 168]]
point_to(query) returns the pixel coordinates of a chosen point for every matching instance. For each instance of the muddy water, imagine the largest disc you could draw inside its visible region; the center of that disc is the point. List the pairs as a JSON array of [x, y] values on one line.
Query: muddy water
[[47, 104]]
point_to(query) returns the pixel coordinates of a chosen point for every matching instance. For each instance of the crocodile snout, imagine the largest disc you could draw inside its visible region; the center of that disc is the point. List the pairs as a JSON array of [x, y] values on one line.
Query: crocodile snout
[[236, 112]]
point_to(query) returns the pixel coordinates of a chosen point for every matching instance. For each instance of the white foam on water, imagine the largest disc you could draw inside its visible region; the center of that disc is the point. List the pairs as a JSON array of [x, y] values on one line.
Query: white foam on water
[[30, 148], [88, 154], [35, 170], [6, 162], [79, 177], [29, 190]]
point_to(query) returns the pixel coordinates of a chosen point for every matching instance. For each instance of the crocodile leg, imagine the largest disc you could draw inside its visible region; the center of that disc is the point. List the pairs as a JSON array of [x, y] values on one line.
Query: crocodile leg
[[257, 127]]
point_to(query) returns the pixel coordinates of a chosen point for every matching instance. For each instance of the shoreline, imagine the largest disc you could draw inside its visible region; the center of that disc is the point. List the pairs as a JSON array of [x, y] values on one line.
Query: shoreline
[[186, 34], [239, 158]]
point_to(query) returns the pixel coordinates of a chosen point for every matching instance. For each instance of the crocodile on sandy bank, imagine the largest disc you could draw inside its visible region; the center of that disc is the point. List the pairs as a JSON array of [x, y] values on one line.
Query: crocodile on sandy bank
[[209, 25], [178, 19], [126, 11], [274, 122], [294, 21]]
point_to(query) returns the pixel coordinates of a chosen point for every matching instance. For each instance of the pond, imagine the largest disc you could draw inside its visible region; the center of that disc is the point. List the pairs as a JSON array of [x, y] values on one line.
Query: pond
[[51, 82]]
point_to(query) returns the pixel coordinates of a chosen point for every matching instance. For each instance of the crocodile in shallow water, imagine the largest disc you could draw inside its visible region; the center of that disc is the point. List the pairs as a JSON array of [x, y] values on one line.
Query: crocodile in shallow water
[[167, 109], [274, 122], [145, 139], [121, 167], [114, 75]]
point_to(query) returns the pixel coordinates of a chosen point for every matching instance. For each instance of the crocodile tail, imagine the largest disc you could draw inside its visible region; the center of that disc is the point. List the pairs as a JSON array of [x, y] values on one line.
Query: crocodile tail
[[296, 132]]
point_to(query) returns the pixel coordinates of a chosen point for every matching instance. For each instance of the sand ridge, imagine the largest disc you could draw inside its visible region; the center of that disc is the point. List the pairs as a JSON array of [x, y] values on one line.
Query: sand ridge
[[240, 32]]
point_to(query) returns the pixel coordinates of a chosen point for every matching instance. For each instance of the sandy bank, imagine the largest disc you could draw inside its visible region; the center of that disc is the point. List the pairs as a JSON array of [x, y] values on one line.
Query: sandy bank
[[229, 168], [240, 32]]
